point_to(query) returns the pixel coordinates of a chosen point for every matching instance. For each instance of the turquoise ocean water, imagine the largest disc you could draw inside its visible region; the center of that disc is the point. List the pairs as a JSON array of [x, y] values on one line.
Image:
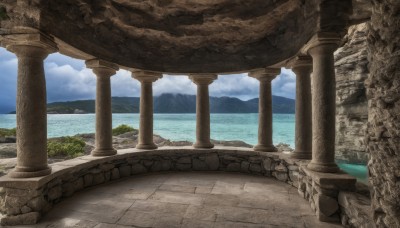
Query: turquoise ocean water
[[179, 127]]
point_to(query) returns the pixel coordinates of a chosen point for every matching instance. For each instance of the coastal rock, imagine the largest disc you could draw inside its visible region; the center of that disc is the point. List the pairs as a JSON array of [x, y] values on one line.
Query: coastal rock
[[283, 147], [234, 143], [351, 65], [79, 111], [10, 139]]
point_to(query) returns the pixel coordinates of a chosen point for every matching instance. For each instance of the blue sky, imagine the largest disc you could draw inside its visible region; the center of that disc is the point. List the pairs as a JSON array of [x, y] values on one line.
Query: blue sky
[[69, 79]]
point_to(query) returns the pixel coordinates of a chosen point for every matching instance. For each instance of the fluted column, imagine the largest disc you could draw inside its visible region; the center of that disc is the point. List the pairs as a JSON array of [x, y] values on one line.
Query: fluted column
[[203, 109], [265, 76], [103, 139], [31, 50], [146, 79], [321, 48], [302, 67]]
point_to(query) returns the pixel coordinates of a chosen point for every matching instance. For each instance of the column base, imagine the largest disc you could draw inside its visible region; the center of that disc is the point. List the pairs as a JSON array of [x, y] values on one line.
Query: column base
[[17, 173], [146, 146], [301, 155], [198, 145], [103, 152], [265, 148], [323, 168]]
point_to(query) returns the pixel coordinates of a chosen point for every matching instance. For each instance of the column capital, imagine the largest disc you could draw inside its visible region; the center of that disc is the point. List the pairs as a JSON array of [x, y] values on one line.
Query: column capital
[[203, 79], [323, 38], [40, 43], [102, 68], [265, 73], [301, 61], [146, 76]]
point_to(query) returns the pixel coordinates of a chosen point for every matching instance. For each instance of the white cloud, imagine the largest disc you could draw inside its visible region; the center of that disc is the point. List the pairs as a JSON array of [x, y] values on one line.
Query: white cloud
[[174, 84], [69, 79]]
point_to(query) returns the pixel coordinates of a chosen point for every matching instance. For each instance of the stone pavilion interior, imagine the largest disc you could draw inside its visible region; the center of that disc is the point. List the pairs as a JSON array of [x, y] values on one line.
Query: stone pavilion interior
[[148, 186]]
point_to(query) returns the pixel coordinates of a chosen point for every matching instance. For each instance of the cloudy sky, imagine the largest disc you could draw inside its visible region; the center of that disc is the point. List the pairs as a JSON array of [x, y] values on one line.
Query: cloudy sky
[[68, 79]]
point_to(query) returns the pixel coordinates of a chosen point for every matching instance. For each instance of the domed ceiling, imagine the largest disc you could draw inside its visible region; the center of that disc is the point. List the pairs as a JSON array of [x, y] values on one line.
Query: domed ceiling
[[183, 36]]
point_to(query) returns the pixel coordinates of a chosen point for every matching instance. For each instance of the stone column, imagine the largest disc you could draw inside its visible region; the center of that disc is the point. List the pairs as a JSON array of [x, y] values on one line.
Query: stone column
[[145, 140], [203, 110], [103, 142], [265, 76], [31, 50], [321, 48], [302, 67]]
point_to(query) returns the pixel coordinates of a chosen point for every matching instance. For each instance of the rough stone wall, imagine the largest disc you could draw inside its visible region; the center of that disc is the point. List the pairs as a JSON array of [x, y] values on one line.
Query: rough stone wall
[[322, 192], [383, 92], [355, 210], [351, 66]]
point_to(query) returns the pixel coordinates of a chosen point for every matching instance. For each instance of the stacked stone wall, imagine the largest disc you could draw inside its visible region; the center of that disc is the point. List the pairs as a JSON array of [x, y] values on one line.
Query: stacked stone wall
[[322, 191], [355, 210], [383, 92], [24, 201]]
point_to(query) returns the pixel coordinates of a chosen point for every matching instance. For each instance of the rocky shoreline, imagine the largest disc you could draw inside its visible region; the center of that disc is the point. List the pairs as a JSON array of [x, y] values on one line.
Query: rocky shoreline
[[8, 147]]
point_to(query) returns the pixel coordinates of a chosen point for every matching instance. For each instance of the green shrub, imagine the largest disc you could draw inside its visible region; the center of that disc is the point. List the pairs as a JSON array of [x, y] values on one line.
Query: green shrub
[[121, 129], [8, 132], [66, 147]]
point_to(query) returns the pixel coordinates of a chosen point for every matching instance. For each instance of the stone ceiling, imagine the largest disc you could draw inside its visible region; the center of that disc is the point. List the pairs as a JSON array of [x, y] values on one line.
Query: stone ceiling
[[175, 36]]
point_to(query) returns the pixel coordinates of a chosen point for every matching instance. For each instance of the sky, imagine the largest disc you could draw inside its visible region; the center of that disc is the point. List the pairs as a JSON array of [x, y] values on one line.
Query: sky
[[68, 79]]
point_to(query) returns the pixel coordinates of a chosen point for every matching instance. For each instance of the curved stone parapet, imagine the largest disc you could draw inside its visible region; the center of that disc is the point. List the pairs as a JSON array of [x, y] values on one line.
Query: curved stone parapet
[[24, 201]]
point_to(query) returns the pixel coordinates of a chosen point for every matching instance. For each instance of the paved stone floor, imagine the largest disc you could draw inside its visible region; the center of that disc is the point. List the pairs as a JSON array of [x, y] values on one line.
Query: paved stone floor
[[194, 199]]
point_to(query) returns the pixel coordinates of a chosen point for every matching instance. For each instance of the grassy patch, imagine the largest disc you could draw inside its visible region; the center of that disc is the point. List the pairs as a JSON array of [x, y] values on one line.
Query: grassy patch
[[66, 147], [8, 132], [121, 129]]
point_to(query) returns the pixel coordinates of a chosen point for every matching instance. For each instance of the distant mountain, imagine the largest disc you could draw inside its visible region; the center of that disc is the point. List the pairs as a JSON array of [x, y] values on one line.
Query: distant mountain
[[174, 103]]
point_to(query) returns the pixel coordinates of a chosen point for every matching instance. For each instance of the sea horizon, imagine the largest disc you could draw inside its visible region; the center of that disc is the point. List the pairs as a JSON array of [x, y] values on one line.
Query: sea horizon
[[173, 126]]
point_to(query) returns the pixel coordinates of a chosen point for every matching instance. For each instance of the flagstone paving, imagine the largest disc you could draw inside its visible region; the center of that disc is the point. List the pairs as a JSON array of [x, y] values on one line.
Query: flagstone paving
[[191, 199]]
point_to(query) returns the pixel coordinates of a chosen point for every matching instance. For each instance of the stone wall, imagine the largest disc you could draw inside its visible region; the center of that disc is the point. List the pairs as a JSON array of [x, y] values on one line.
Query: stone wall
[[322, 191], [355, 210], [383, 92], [351, 66], [24, 201]]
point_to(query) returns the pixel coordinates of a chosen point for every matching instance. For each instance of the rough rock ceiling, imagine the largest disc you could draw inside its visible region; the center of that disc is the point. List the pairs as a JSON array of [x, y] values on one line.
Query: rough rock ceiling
[[183, 36]]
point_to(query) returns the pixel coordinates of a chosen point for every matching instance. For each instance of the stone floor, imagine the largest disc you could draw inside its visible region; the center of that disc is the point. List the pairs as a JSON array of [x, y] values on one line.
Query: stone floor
[[194, 199]]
